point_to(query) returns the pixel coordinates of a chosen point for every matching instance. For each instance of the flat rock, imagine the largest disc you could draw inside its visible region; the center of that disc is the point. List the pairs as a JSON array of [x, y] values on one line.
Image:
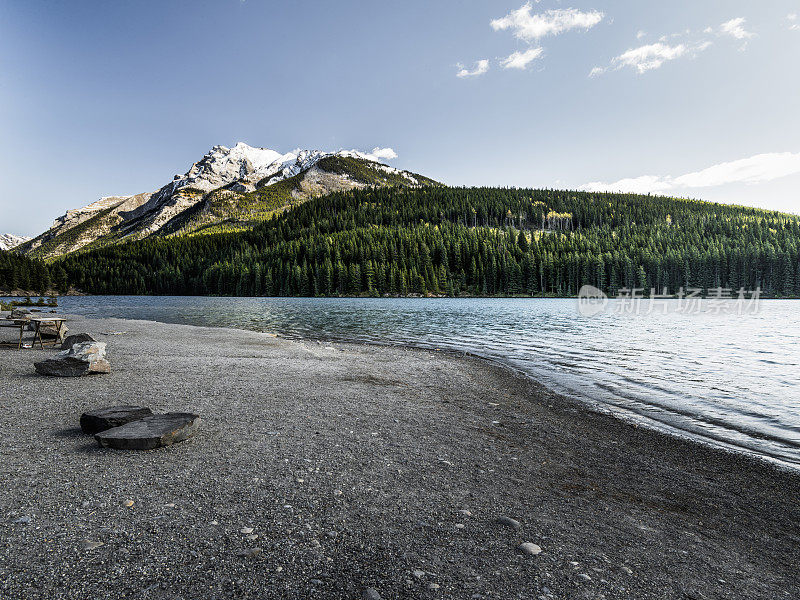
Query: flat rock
[[78, 338], [91, 544], [151, 432], [370, 594], [529, 548], [81, 359], [509, 522], [101, 419]]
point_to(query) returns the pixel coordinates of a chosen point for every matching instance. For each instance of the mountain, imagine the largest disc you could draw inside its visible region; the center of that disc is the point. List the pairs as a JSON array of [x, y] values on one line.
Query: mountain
[[229, 189], [9, 240]]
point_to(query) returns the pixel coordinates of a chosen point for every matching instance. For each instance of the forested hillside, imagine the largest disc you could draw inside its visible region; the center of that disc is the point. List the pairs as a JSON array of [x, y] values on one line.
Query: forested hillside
[[25, 274], [477, 241]]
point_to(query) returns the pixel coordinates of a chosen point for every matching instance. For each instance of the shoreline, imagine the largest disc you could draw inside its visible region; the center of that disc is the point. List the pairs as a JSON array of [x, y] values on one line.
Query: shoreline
[[411, 438], [596, 406]]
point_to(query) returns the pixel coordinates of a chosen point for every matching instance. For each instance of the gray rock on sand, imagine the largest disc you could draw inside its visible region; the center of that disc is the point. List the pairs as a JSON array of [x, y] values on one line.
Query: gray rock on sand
[[150, 432], [91, 544], [78, 338], [82, 359], [509, 522], [101, 419], [529, 548], [370, 594]]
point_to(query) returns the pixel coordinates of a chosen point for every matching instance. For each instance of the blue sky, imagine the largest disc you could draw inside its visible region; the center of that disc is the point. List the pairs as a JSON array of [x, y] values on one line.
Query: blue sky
[[691, 98]]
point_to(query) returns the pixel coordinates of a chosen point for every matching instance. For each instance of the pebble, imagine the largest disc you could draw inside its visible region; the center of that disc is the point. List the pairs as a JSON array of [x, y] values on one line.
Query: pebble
[[584, 577], [370, 594], [249, 553], [331, 534], [25, 519], [91, 544], [213, 523], [509, 522], [529, 548], [628, 570], [252, 537], [339, 493], [465, 512], [418, 574], [278, 569], [246, 530], [128, 503], [433, 586], [460, 526], [316, 582], [170, 505]]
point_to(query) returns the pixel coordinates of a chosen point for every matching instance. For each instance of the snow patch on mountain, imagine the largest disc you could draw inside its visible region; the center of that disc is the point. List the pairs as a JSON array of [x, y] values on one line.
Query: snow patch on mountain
[[9, 240], [241, 168], [248, 166]]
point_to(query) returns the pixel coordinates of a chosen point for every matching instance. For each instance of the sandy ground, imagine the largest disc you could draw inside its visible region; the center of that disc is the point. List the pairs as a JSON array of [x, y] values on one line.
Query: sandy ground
[[366, 467]]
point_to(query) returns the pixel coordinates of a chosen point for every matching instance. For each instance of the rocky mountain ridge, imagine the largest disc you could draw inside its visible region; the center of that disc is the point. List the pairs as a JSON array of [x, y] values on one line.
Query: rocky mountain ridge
[[227, 189], [9, 240]]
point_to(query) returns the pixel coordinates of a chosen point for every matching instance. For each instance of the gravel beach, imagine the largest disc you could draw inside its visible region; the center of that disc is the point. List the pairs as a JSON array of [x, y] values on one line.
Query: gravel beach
[[327, 470]]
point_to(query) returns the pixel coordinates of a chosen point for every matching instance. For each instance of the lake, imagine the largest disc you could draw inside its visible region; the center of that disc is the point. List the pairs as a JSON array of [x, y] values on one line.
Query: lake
[[711, 371]]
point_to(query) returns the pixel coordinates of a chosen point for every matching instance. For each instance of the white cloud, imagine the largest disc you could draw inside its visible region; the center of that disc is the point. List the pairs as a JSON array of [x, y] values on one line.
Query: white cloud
[[379, 154], [634, 185], [735, 28], [640, 34], [481, 67], [793, 24], [755, 169], [531, 27], [520, 60], [650, 56]]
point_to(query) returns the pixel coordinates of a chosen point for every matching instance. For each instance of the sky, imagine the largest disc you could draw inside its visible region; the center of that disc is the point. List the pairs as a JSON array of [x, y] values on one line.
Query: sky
[[691, 98]]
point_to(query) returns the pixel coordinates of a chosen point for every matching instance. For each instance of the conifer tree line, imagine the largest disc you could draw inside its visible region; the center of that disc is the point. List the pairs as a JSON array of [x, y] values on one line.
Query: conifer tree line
[[463, 241], [25, 274]]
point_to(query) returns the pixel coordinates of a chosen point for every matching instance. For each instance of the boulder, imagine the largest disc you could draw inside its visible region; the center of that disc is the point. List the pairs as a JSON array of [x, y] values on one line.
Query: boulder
[[20, 314], [150, 432], [51, 330], [95, 421], [78, 338], [82, 359]]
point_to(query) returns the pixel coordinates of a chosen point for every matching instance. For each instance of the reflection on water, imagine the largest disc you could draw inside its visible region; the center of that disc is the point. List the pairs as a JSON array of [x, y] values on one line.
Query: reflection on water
[[730, 378]]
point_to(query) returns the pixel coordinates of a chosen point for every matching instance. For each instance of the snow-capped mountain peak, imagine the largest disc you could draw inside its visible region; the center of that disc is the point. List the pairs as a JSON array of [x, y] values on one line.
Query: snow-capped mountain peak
[[9, 240], [249, 165], [215, 191]]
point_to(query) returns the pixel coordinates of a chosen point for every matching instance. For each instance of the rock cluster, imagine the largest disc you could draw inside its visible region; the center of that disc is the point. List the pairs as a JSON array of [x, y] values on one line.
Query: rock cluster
[[78, 338], [81, 359]]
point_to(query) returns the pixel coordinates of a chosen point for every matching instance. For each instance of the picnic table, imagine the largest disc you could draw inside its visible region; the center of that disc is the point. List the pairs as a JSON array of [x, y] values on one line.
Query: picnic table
[[37, 321], [18, 324]]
